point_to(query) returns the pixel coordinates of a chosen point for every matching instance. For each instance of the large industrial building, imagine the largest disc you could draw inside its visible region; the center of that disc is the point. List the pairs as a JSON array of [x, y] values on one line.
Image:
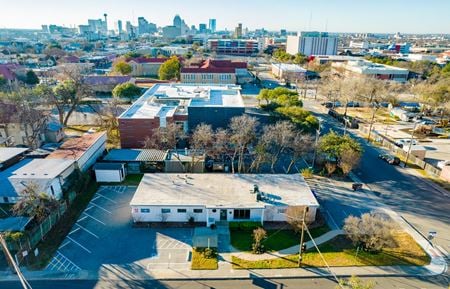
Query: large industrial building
[[210, 198], [366, 68], [184, 104], [244, 47]]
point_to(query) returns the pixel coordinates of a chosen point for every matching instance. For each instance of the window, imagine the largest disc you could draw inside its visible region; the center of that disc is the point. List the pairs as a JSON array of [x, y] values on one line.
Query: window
[[165, 211], [214, 210], [242, 214], [198, 211], [281, 211], [181, 210], [145, 210]]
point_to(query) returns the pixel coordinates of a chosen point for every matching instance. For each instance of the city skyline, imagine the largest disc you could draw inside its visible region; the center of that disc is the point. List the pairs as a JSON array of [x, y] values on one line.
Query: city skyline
[[297, 15]]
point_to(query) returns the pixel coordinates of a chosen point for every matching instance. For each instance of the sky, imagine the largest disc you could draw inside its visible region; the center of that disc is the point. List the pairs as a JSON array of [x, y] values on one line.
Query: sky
[[377, 16]]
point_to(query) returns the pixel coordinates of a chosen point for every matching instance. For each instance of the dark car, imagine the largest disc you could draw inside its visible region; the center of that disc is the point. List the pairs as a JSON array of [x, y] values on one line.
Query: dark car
[[390, 159]]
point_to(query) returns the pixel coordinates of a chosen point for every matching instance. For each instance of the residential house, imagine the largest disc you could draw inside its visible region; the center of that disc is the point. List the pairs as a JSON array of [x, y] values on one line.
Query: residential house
[[144, 66], [215, 72]]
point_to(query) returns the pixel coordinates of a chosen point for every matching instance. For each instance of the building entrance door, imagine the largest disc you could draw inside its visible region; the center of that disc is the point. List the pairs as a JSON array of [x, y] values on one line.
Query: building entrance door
[[223, 214]]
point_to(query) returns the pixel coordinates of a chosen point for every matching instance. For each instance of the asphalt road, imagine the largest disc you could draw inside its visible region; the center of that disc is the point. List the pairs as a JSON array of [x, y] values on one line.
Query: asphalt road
[[426, 208], [316, 283]]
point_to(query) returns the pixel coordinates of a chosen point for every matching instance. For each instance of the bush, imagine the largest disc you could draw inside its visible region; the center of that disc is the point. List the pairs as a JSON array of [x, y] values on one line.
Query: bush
[[259, 234], [307, 173], [209, 253]]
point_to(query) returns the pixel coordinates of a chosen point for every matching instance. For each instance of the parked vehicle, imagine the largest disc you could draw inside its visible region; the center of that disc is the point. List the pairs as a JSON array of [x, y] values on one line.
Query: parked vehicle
[[405, 142], [353, 104], [357, 186], [442, 164], [390, 159]]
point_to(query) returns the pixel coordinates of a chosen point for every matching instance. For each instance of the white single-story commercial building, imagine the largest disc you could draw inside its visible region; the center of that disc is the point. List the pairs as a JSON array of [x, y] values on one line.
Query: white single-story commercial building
[[288, 72], [208, 198], [49, 175], [109, 172]]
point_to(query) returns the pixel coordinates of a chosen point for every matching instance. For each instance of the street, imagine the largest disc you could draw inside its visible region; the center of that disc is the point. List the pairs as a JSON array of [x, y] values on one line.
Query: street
[[317, 283], [426, 208]]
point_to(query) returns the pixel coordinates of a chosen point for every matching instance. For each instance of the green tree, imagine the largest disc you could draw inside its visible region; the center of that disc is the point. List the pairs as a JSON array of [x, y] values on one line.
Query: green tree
[[34, 203], [170, 69], [300, 59], [126, 90], [122, 68], [31, 78], [342, 149], [301, 117]]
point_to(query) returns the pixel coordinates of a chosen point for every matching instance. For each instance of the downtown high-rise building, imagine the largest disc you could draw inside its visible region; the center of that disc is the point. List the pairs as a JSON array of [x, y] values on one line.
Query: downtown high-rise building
[[212, 25]]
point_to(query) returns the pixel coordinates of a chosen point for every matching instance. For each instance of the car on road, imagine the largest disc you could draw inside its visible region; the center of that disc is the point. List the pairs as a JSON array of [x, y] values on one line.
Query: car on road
[[329, 104], [353, 104], [405, 142], [390, 159]]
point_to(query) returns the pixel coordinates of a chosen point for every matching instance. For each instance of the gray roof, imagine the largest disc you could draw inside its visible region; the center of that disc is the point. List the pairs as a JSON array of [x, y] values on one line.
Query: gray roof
[[223, 190], [130, 155], [42, 169], [14, 224], [108, 166], [6, 189], [9, 153]]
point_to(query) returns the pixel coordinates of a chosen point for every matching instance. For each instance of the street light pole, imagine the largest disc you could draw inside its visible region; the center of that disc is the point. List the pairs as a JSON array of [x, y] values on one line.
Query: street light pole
[[300, 251], [410, 144]]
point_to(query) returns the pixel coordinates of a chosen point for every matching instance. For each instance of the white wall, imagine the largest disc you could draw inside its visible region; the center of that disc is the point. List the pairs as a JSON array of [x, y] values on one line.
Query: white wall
[[109, 176], [292, 44], [91, 155], [44, 185], [155, 214]]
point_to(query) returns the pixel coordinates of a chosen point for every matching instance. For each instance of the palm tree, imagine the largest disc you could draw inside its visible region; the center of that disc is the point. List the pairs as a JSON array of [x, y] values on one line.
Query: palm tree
[[34, 204]]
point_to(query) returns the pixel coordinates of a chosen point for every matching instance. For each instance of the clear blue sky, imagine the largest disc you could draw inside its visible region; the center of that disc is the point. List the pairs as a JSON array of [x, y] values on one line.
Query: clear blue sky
[[413, 16]]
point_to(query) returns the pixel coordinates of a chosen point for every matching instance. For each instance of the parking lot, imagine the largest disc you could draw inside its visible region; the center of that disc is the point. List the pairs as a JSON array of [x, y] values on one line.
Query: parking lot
[[104, 235]]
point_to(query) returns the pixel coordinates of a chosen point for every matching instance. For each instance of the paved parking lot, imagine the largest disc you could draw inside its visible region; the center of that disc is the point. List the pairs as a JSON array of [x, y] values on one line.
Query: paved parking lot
[[104, 235], [338, 201]]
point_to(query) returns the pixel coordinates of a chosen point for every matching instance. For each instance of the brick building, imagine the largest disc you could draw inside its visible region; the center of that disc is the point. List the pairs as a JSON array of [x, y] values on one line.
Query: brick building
[[184, 104]]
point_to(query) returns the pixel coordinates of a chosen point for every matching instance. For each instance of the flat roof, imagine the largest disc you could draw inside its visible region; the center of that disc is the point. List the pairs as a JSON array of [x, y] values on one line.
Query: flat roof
[[9, 153], [14, 224], [108, 166], [6, 188], [42, 169], [165, 99], [289, 67], [222, 190], [75, 148]]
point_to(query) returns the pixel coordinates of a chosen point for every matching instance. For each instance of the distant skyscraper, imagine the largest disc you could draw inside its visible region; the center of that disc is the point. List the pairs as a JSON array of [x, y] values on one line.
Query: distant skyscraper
[[177, 22], [212, 25], [202, 28], [119, 27], [238, 31]]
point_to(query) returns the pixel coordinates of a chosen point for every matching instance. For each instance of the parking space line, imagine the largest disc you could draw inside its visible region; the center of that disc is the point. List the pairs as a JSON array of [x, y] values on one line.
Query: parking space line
[[95, 198], [109, 199], [95, 219], [82, 218], [87, 230], [65, 244], [332, 219], [74, 230], [101, 208], [79, 244]]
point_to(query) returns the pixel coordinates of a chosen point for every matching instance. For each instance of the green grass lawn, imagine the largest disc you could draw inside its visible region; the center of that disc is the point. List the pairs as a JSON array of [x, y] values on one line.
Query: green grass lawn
[[276, 240], [341, 252], [53, 239], [200, 262]]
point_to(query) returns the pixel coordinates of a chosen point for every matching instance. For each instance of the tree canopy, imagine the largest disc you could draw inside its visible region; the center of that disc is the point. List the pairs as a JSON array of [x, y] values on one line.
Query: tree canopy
[[122, 67], [31, 78], [126, 90], [170, 69], [282, 56]]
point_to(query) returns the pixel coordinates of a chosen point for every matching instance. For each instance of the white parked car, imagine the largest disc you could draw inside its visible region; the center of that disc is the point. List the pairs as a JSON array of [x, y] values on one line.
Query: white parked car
[[405, 142], [442, 164]]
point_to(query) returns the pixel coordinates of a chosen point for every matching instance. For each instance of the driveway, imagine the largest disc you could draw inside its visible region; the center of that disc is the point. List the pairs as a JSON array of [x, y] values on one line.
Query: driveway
[[104, 235]]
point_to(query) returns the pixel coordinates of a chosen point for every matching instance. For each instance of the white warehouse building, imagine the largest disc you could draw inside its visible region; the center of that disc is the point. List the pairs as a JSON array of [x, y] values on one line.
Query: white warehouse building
[[209, 198]]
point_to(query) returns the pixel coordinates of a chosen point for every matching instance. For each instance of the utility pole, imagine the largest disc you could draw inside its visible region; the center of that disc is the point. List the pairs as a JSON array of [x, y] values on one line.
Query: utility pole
[[410, 144], [301, 249], [16, 268], [315, 146]]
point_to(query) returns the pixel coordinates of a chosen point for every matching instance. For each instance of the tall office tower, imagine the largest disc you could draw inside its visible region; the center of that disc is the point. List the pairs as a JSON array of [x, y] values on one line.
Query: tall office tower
[[177, 22], [238, 31], [212, 25], [312, 43], [119, 27]]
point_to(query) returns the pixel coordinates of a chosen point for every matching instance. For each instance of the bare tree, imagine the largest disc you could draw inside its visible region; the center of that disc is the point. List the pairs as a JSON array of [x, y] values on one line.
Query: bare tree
[[34, 203], [371, 231], [330, 167], [300, 145], [276, 139], [349, 159], [201, 143], [242, 134], [294, 217], [259, 234]]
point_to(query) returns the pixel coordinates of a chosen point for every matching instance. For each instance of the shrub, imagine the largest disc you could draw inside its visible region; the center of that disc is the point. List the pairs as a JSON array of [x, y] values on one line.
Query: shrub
[[209, 253], [259, 234], [307, 173]]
